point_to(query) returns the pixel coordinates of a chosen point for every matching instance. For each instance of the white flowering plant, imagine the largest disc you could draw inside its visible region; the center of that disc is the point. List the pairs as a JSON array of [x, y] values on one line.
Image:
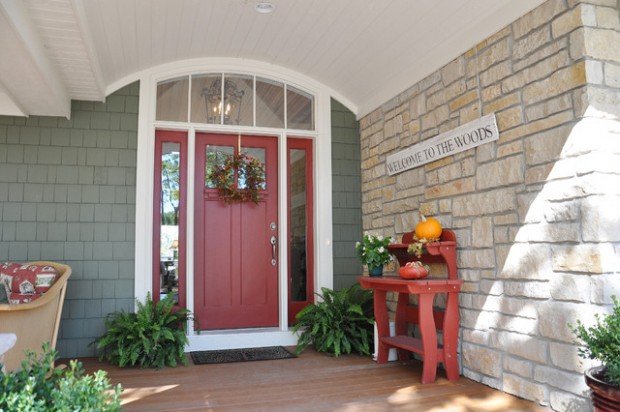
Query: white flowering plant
[[372, 250]]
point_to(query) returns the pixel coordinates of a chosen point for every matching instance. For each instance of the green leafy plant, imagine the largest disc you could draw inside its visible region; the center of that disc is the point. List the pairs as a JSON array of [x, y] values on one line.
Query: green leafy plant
[[38, 386], [341, 323], [372, 250], [602, 341], [153, 337]]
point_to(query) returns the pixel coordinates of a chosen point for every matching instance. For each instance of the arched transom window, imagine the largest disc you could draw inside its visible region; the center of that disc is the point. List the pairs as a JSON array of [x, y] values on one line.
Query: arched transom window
[[234, 99]]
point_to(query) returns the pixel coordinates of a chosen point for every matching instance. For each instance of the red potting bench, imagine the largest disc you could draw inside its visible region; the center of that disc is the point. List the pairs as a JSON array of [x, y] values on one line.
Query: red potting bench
[[423, 315]]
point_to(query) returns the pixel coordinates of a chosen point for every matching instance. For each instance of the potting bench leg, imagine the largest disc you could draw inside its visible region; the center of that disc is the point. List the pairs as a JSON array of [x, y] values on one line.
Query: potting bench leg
[[383, 325]]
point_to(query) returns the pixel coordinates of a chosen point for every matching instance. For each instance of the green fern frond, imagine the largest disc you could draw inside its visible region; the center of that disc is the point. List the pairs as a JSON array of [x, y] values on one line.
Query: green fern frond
[[340, 323], [138, 338]]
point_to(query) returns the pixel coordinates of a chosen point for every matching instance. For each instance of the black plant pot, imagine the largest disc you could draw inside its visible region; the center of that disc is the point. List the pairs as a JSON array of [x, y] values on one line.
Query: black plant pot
[[605, 397]]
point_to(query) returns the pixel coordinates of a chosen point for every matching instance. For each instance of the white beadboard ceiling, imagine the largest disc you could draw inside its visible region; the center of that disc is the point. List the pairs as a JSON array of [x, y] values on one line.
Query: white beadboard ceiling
[[366, 51]]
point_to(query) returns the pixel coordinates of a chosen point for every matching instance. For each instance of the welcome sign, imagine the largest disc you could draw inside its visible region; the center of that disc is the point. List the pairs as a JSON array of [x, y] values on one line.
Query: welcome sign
[[468, 136]]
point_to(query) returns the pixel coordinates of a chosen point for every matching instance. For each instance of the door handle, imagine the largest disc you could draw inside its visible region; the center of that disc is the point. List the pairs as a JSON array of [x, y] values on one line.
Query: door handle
[[274, 251]]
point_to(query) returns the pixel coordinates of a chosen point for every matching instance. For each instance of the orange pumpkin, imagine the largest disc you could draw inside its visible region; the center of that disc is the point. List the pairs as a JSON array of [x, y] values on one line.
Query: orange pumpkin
[[413, 270], [428, 228]]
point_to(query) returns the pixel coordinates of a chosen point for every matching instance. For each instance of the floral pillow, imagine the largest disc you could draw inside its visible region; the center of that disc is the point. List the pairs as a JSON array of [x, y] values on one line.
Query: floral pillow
[[25, 283], [4, 290], [6, 270]]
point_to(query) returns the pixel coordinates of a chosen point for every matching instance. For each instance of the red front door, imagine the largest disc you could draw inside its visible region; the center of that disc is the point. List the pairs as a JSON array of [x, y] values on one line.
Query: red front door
[[236, 262]]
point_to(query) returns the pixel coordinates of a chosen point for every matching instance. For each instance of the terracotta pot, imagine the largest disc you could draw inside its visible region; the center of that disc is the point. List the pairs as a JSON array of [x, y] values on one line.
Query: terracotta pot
[[605, 397], [413, 270]]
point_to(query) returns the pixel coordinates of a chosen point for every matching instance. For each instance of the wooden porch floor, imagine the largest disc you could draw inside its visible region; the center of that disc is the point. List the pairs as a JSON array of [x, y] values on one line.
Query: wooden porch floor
[[311, 382]]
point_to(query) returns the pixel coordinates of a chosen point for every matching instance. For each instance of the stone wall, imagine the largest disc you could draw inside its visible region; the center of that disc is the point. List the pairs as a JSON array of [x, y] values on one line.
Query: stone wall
[[346, 195], [535, 212], [67, 194]]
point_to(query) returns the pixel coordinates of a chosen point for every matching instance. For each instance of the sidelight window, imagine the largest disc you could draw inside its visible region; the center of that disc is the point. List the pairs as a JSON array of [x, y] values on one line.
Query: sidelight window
[[170, 217], [300, 216]]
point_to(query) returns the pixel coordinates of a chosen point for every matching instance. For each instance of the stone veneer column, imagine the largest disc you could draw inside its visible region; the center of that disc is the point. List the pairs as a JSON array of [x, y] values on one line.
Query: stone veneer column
[[535, 212]]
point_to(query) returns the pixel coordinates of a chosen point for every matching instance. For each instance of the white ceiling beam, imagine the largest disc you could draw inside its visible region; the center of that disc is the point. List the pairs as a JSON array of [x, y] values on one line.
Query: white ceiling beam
[[80, 16], [29, 63], [9, 106]]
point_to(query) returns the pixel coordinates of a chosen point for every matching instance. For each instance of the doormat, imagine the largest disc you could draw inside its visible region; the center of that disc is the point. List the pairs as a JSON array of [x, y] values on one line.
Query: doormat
[[240, 355]]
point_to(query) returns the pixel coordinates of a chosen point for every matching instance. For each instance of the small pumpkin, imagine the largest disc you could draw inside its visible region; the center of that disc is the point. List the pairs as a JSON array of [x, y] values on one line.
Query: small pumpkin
[[428, 228], [413, 270]]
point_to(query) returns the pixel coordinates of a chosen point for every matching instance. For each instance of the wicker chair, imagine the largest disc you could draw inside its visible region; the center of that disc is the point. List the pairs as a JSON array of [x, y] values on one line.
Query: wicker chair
[[36, 322]]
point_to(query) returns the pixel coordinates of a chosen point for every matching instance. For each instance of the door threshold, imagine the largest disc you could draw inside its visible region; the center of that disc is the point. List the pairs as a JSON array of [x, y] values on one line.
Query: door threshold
[[240, 338]]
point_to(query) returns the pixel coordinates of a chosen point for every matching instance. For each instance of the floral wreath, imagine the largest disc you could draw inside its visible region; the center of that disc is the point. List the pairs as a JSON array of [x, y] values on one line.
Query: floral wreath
[[247, 169]]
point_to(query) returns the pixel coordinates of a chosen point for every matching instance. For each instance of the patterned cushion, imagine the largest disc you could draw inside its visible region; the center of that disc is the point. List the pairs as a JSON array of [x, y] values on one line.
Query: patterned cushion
[[25, 283], [4, 290], [9, 268], [6, 271], [17, 298]]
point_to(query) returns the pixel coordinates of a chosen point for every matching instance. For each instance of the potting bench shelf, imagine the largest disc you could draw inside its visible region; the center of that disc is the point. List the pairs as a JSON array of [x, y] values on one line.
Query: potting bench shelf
[[428, 319], [443, 251]]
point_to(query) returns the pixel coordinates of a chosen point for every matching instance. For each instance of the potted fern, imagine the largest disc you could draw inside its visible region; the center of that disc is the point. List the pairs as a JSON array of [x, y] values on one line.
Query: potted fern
[[153, 337], [602, 342], [342, 322]]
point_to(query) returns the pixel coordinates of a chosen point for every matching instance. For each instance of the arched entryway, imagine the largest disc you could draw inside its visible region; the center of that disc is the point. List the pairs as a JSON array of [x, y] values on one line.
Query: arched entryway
[[244, 268]]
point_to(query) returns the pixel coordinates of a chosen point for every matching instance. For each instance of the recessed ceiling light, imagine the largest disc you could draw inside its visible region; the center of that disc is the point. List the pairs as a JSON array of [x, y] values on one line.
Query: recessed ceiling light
[[264, 7]]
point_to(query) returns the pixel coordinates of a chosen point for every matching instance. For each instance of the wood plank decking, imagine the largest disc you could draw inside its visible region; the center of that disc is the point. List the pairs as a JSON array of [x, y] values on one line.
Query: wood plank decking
[[312, 382]]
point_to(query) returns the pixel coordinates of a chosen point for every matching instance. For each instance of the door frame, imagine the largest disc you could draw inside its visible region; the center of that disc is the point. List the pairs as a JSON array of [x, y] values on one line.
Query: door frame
[[321, 136], [217, 339]]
